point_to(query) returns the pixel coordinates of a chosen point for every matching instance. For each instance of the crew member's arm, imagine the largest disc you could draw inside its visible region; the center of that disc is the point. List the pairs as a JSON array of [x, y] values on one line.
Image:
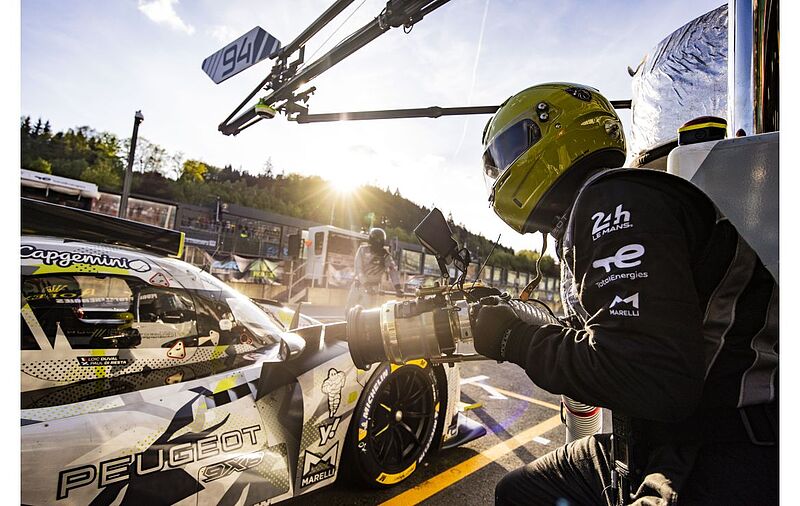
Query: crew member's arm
[[391, 268], [641, 350], [358, 266]]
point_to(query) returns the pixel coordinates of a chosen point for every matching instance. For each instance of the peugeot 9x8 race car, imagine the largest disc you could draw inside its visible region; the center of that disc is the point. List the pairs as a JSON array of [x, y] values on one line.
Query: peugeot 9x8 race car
[[146, 380]]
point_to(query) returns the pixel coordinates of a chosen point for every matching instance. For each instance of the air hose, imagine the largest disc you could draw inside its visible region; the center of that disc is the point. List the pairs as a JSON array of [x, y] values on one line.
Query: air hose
[[581, 419]]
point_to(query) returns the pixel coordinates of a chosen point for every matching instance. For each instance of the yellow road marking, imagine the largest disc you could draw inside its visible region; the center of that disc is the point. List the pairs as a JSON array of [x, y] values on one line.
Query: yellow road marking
[[460, 471], [529, 399]]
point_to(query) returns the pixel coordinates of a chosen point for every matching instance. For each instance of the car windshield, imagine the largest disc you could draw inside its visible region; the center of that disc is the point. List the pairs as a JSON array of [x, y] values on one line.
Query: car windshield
[[244, 311]]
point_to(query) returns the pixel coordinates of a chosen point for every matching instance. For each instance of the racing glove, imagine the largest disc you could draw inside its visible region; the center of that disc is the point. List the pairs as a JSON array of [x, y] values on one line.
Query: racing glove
[[398, 290], [498, 332]]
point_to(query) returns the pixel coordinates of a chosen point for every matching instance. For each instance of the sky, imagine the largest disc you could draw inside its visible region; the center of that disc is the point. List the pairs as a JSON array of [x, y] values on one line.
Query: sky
[[95, 62]]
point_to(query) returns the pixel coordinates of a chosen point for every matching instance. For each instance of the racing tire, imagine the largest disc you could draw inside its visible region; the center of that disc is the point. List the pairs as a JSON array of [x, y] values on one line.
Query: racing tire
[[394, 424]]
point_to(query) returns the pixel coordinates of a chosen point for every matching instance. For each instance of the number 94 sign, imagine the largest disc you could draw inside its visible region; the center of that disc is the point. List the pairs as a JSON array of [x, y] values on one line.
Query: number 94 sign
[[244, 52]]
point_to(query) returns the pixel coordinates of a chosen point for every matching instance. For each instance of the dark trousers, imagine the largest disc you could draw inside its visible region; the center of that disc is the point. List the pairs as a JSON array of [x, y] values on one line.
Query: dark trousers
[[579, 473]]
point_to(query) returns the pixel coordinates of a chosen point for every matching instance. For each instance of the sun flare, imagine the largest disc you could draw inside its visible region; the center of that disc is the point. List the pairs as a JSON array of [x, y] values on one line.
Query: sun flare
[[344, 185]]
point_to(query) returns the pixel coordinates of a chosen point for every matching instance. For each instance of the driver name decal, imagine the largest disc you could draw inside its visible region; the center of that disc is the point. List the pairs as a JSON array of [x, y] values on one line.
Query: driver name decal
[[102, 361], [66, 258]]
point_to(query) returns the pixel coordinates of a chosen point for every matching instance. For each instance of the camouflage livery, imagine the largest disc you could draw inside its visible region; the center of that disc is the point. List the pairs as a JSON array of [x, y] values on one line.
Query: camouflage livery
[[146, 380]]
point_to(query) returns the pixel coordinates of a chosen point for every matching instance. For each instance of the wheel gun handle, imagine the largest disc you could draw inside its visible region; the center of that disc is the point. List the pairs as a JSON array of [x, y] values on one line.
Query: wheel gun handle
[[533, 314], [475, 307], [528, 311]]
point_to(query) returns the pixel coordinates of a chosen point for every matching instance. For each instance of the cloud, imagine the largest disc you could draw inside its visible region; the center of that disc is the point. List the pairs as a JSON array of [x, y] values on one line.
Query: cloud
[[362, 149], [222, 33], [163, 12]]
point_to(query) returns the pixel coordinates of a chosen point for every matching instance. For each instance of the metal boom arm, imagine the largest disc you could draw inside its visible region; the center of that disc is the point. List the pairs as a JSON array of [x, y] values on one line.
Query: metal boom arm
[[424, 112], [397, 13]]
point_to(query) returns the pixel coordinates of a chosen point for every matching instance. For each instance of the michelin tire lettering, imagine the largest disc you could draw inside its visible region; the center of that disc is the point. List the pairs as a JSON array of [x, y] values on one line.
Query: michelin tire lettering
[[66, 258], [364, 423]]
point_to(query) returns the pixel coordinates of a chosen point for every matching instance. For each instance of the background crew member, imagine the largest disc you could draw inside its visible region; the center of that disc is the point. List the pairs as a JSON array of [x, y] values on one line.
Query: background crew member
[[371, 262]]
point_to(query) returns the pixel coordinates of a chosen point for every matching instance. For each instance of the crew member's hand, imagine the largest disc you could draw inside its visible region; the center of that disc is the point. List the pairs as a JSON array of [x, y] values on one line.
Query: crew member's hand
[[398, 290], [495, 325]]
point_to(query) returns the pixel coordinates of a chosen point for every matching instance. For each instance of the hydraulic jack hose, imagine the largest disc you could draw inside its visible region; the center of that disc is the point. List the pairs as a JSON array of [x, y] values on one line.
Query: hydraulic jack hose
[[581, 419]]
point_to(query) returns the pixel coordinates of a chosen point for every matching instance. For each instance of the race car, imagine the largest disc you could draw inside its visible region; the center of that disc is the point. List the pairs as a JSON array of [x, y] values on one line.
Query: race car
[[146, 380]]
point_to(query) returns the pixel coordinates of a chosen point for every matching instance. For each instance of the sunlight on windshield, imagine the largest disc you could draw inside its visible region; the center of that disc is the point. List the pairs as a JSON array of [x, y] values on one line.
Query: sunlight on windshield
[[245, 311]]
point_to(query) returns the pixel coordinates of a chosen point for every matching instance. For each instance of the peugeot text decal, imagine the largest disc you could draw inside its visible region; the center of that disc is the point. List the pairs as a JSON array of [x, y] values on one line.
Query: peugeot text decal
[[122, 469]]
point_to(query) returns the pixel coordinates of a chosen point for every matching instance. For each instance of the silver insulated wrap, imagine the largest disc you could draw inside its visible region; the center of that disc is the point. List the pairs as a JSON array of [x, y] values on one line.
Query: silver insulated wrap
[[685, 76]]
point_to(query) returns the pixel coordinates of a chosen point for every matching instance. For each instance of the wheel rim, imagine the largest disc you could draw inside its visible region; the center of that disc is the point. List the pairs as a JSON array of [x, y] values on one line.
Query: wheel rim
[[402, 418]]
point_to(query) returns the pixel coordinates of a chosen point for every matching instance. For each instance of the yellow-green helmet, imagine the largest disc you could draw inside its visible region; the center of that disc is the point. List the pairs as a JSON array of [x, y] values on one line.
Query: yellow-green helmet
[[541, 144]]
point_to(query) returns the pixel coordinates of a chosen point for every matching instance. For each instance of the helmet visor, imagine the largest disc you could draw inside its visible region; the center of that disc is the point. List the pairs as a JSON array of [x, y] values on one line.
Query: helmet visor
[[506, 148]]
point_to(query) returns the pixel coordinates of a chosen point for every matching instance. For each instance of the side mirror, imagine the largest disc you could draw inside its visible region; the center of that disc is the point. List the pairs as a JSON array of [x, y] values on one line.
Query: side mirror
[[435, 235], [291, 345]]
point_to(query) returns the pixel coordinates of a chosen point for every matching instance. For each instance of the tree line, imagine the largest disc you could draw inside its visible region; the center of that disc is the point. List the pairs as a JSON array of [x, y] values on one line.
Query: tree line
[[100, 157]]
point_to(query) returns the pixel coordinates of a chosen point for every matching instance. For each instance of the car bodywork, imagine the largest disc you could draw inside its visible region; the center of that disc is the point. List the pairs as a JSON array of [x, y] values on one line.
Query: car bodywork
[[184, 405]]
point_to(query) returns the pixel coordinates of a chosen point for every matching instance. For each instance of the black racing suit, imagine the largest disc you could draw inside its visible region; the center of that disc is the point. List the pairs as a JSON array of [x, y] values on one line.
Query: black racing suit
[[674, 328], [370, 264]]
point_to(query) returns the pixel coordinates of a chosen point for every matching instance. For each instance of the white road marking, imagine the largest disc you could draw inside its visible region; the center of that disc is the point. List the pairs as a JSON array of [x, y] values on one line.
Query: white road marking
[[473, 379], [476, 380], [541, 440]]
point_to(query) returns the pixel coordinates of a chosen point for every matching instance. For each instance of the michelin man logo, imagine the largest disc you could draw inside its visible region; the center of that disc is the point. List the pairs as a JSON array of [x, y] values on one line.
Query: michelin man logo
[[332, 386]]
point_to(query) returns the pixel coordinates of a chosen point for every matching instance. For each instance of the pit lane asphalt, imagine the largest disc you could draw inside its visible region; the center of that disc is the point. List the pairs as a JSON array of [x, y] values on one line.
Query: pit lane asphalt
[[501, 390]]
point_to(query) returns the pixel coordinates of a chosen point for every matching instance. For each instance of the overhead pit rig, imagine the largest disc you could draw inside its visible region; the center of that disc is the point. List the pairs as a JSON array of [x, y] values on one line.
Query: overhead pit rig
[[286, 78], [737, 43], [728, 67]]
